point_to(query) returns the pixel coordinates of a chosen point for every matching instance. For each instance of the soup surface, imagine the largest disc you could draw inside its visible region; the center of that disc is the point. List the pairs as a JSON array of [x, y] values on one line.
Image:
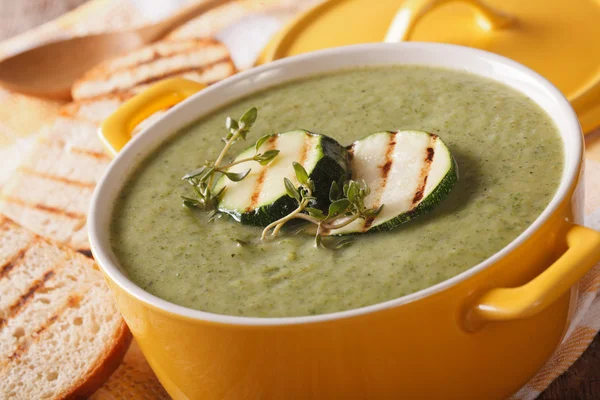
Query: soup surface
[[510, 160]]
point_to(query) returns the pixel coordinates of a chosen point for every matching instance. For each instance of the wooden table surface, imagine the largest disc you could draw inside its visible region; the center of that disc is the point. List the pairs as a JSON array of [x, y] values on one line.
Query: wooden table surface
[[580, 382]]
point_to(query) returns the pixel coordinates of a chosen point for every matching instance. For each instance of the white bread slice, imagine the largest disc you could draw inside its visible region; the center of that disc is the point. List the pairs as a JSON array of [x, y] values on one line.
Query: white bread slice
[[50, 192], [97, 110], [132, 380], [79, 135], [61, 160], [205, 60], [93, 110], [61, 334]]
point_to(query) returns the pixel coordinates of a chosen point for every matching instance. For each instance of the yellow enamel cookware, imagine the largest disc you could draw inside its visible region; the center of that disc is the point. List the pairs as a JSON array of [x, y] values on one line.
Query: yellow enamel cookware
[[481, 335], [556, 38]]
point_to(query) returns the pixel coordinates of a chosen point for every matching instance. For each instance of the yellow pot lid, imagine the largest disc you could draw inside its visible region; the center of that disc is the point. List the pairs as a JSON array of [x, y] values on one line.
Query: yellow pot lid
[[557, 38]]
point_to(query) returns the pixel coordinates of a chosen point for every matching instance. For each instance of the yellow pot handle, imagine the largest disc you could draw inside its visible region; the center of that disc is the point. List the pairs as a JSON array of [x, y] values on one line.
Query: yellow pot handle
[[116, 130], [521, 302], [411, 12]]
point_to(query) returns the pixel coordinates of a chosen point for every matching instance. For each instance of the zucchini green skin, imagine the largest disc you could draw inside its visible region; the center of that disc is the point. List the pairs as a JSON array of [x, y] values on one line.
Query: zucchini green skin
[[264, 215], [426, 206], [331, 166], [387, 159]]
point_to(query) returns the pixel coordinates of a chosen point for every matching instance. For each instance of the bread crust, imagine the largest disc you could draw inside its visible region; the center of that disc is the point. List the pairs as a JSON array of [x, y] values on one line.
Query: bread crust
[[66, 163], [107, 359], [146, 66], [86, 385]]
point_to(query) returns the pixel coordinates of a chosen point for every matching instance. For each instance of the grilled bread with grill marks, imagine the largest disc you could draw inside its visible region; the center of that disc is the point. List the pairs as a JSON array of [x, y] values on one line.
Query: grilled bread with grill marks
[[61, 334], [50, 192], [204, 60]]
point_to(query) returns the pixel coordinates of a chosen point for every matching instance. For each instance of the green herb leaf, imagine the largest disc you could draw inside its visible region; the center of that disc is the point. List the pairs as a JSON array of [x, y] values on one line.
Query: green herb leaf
[[231, 125], [315, 212], [189, 202], [352, 191], [334, 192], [207, 192], [204, 175], [217, 195], [196, 189], [301, 173], [266, 157], [261, 141], [337, 207], [236, 176], [202, 179], [194, 173], [291, 189], [347, 206], [363, 189], [373, 212], [213, 214], [249, 117], [270, 154]]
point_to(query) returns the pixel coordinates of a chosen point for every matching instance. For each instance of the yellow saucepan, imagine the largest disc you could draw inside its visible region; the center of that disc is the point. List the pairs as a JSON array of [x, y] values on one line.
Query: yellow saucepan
[[481, 335]]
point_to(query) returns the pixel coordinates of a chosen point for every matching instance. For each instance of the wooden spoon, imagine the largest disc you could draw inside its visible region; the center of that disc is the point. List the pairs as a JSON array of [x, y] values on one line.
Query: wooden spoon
[[51, 69]]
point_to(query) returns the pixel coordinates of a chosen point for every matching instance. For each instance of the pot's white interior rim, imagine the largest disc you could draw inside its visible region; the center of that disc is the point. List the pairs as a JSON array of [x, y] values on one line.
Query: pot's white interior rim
[[431, 54]]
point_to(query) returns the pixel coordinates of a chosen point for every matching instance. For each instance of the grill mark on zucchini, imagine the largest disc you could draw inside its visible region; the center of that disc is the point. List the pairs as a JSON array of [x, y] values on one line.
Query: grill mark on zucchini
[[259, 203], [425, 171], [421, 175], [384, 171], [261, 178], [305, 148], [368, 222]]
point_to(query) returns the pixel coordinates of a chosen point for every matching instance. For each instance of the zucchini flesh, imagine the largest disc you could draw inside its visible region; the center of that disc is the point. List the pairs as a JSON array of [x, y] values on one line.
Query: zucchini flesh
[[261, 198], [409, 172]]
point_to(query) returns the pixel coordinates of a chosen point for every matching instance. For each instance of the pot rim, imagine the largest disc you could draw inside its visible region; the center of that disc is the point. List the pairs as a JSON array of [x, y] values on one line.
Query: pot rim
[[104, 257]]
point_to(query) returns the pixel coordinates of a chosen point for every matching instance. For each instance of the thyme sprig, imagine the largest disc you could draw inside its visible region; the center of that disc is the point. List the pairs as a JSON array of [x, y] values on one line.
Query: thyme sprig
[[347, 205], [202, 179]]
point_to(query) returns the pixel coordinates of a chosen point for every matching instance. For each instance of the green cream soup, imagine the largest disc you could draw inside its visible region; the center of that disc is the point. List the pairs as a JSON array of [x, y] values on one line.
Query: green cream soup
[[509, 156]]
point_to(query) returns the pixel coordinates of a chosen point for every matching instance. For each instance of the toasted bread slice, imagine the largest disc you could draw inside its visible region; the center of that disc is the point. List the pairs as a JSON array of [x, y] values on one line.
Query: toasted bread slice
[[93, 110], [204, 60], [132, 380], [97, 110], [61, 334], [50, 192]]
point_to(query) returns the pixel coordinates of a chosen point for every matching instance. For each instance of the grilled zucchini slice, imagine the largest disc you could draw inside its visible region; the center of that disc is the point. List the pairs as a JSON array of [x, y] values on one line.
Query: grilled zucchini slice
[[261, 198], [409, 172]]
